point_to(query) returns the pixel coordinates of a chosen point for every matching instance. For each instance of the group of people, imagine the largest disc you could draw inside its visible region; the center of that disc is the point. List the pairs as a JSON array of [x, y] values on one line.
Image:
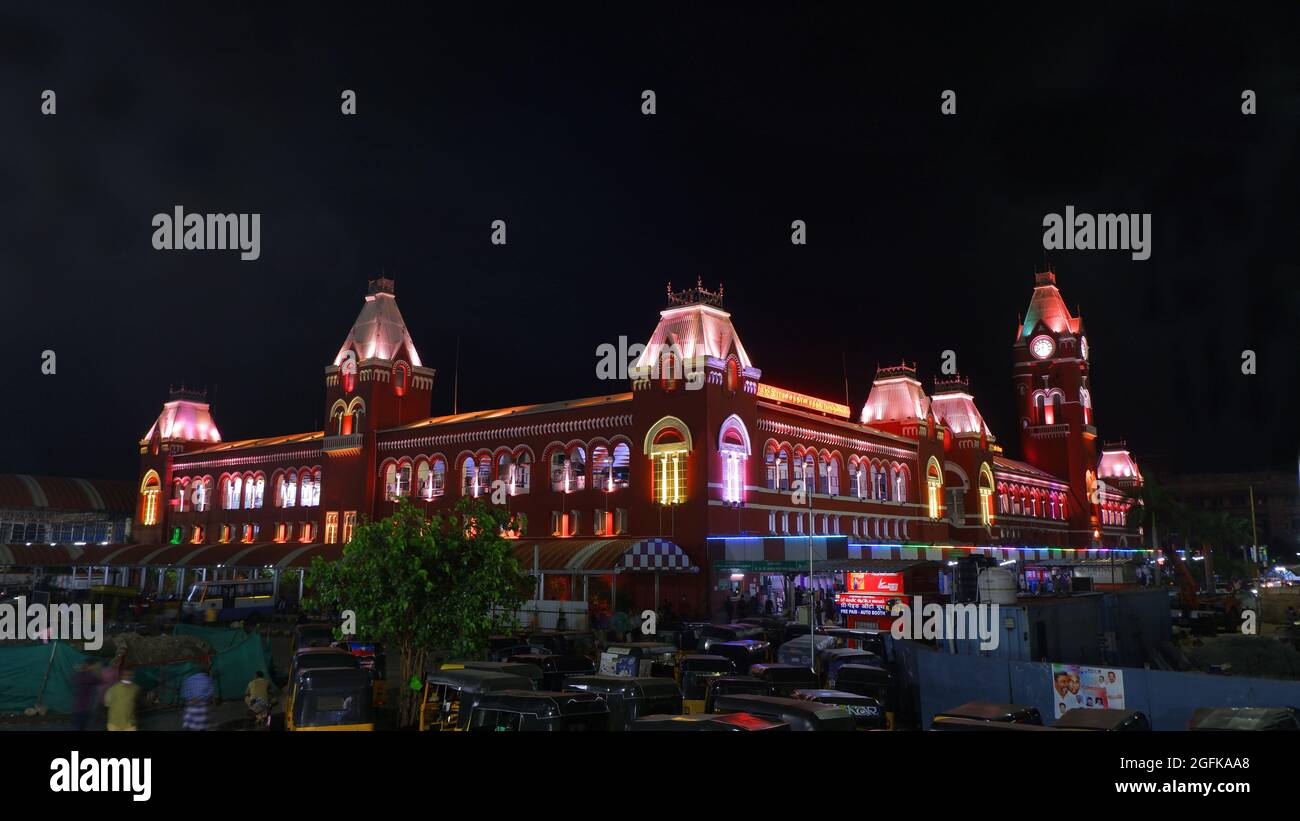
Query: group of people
[[121, 698]]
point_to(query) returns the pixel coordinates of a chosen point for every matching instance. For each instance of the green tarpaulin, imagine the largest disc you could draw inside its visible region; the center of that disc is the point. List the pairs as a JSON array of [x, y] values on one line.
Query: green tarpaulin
[[236, 657]]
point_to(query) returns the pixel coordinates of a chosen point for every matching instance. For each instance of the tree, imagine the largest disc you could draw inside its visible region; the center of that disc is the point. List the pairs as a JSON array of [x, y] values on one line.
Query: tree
[[428, 588]]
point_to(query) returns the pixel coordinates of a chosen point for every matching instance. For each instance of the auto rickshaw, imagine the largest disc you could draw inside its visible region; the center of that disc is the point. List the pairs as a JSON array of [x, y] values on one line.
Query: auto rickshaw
[[450, 695], [744, 653], [712, 633], [988, 712], [630, 698], [1083, 718], [800, 714], [707, 722], [801, 650], [539, 710], [530, 671], [639, 658], [1252, 719], [373, 660], [688, 635], [784, 678], [860, 638], [873, 682], [715, 688], [330, 699], [866, 711], [828, 666], [693, 675], [555, 669], [951, 724], [317, 658]]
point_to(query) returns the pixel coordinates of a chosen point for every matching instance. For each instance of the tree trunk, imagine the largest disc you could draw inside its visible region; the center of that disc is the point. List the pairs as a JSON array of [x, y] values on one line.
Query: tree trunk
[[408, 701]]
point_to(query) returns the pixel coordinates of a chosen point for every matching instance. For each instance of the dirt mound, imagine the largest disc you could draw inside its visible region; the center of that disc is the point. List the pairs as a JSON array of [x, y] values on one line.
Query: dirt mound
[[147, 650]]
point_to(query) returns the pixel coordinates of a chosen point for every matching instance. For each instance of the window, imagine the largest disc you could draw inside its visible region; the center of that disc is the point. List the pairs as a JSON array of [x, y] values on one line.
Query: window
[[1040, 409], [833, 477], [622, 466], [310, 493], [468, 478], [577, 478], [484, 475], [227, 533], [308, 532], [150, 489], [254, 486], [331, 527], [523, 473], [439, 478], [231, 492], [1085, 399], [197, 534], [734, 447], [401, 376], [602, 475], [986, 495], [349, 524], [251, 532], [506, 472], [775, 462], [934, 481], [282, 531], [287, 492], [667, 444], [1057, 399], [620, 521], [823, 475], [179, 495], [201, 493]]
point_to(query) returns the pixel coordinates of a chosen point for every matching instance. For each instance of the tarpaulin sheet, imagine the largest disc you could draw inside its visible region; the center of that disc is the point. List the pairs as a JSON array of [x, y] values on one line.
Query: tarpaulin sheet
[[236, 657]]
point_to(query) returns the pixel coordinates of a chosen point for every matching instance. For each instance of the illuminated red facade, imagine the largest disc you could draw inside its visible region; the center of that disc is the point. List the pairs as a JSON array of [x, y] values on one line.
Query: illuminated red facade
[[699, 457]]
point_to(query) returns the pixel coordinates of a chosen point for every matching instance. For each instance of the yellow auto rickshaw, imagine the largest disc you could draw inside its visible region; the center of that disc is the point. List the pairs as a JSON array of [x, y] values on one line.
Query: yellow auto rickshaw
[[330, 699]]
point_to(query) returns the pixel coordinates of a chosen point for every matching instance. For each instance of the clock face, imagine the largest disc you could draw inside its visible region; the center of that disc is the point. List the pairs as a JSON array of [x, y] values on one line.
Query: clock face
[[1083, 346], [1042, 346]]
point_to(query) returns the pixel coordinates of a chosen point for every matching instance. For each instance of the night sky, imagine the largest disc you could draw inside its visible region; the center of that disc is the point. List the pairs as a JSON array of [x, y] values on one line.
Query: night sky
[[923, 231]]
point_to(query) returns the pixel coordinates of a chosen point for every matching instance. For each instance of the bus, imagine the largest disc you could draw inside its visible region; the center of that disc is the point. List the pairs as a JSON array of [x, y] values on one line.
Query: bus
[[231, 599]]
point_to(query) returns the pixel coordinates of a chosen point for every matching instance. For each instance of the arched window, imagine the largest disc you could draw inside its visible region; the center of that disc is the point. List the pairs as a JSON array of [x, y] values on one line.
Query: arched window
[[506, 471], [823, 475], [469, 478], [202, 494], [833, 476], [523, 472], [601, 473], [1040, 412], [423, 487], [622, 465], [778, 472], [439, 478], [309, 496], [232, 492], [808, 472], [934, 482], [577, 479], [1057, 399], [401, 376], [986, 495], [178, 494], [150, 490], [1085, 399], [484, 475], [667, 445], [559, 471], [254, 487], [733, 449], [286, 491]]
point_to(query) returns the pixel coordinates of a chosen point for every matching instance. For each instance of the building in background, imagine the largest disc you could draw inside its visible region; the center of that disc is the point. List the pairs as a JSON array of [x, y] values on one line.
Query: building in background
[[1276, 498], [36, 510]]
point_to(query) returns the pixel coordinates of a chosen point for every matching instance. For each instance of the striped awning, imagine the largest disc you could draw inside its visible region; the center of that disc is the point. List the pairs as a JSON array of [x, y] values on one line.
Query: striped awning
[[603, 556]]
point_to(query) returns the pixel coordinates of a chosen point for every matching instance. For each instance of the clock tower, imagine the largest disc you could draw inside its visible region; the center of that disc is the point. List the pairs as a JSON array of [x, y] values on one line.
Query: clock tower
[[1057, 430]]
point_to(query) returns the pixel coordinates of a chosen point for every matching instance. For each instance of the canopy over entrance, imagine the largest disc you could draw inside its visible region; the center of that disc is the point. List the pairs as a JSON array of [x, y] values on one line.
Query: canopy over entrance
[[602, 557]]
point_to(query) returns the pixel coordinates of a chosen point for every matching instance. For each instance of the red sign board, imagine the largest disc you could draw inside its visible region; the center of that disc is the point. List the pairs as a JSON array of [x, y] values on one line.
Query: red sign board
[[882, 584]]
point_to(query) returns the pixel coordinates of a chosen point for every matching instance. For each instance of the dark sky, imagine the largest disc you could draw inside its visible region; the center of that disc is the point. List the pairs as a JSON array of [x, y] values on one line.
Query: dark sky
[[924, 231]]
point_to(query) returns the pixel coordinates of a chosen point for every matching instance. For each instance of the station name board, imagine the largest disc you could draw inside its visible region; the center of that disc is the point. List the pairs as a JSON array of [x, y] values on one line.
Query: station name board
[[802, 400]]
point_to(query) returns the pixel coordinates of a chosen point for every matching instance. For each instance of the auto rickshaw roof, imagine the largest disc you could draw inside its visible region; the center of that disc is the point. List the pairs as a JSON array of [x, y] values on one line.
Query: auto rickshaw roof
[[543, 703], [643, 646], [767, 706], [864, 672], [782, 672], [703, 722], [1086, 718], [554, 662], [848, 652], [514, 668], [748, 644], [705, 662], [638, 685], [988, 711], [834, 697], [1245, 718], [479, 681], [315, 658]]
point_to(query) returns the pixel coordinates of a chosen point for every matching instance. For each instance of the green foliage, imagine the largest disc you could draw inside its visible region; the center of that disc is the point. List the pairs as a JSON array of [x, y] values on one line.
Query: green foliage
[[429, 589]]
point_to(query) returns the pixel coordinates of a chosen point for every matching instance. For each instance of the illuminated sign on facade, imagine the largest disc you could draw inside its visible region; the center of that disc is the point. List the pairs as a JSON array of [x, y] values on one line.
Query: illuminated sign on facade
[[802, 400], [879, 583]]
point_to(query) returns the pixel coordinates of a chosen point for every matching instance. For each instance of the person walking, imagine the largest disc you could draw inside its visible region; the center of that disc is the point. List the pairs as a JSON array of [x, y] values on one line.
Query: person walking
[[197, 693], [85, 686], [121, 700]]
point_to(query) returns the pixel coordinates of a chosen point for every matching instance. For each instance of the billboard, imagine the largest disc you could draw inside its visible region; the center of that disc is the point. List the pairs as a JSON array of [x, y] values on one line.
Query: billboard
[[1092, 688], [882, 584]]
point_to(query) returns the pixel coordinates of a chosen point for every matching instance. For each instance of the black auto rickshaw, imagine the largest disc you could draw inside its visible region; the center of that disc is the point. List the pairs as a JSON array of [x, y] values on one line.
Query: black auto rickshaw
[[707, 722], [800, 714], [710, 634], [784, 678], [693, 675], [312, 635], [450, 695], [715, 688], [639, 658], [866, 711], [1083, 718], [859, 638], [556, 668], [1252, 719], [530, 671], [330, 699], [874, 682], [316, 658], [539, 710], [832, 660], [987, 712], [373, 660], [565, 642], [744, 653], [773, 628], [630, 698], [688, 635]]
